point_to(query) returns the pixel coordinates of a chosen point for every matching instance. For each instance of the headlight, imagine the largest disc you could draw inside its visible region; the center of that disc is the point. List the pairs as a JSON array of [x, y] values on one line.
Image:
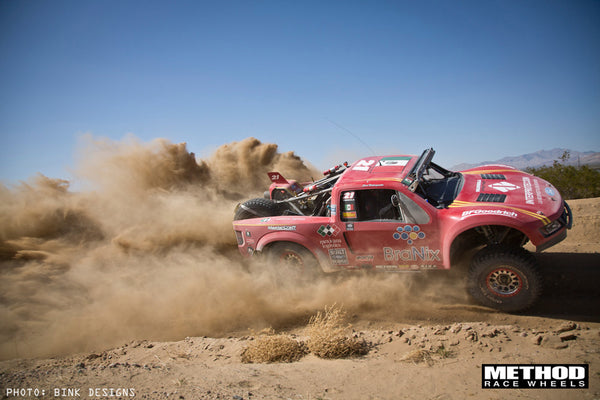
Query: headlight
[[551, 228]]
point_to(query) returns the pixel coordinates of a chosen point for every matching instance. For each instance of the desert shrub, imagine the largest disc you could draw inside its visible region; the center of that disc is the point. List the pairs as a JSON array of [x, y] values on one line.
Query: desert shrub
[[269, 347], [428, 356], [418, 356], [572, 182], [328, 335]]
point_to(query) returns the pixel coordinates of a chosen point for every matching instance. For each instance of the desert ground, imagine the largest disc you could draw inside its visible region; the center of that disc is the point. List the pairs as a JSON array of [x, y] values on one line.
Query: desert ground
[[433, 350]]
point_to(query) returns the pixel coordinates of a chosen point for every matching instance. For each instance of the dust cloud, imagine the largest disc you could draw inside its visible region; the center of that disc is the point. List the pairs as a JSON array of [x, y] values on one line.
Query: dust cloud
[[146, 251]]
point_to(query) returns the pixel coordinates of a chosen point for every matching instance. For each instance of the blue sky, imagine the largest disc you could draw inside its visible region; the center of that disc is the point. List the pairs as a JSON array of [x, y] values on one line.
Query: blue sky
[[477, 80]]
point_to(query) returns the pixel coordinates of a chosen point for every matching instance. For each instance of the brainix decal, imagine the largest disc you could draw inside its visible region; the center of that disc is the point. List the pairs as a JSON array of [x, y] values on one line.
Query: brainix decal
[[409, 233]]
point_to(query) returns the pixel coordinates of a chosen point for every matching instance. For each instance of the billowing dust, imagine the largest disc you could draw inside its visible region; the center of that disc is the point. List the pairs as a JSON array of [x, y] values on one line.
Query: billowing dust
[[146, 251]]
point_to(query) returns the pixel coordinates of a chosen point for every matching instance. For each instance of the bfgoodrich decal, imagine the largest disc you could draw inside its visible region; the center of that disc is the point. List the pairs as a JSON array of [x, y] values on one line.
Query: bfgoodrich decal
[[502, 213]]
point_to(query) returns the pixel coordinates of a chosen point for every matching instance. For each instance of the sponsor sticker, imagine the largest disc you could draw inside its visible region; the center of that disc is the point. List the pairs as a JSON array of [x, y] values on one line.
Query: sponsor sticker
[[538, 191], [363, 165], [372, 185], [528, 190], [503, 187], [409, 233], [423, 253], [502, 213], [281, 227], [349, 214], [400, 267], [535, 376], [328, 230], [331, 243], [338, 256], [549, 191], [394, 161]]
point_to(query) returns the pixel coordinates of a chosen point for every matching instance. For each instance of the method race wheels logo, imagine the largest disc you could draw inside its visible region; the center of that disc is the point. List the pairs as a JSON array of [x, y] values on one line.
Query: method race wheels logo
[[409, 233], [504, 187], [535, 376]]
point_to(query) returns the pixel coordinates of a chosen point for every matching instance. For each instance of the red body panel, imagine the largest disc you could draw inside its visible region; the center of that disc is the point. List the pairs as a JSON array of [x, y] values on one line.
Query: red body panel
[[489, 195]]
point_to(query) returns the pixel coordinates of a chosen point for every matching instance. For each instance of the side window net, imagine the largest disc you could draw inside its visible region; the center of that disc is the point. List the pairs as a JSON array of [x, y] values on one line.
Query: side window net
[[369, 205], [377, 205]]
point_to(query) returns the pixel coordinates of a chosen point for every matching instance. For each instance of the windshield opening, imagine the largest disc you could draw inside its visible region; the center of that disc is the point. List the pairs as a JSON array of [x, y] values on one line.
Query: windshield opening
[[435, 184]]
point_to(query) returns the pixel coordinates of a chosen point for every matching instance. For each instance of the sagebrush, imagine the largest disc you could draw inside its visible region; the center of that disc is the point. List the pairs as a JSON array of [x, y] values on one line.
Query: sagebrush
[[328, 335], [572, 182], [269, 347]]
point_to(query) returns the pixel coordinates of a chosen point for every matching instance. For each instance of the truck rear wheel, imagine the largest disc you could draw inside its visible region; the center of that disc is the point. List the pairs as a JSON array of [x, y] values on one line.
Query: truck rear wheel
[[257, 208], [293, 261], [505, 278]]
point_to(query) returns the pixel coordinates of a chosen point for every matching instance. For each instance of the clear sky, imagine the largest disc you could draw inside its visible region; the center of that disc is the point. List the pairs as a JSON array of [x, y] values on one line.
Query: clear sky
[[477, 80]]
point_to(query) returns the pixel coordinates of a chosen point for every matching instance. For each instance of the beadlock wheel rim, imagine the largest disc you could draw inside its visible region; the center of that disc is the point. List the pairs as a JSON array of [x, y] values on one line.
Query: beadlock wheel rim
[[504, 282], [291, 259]]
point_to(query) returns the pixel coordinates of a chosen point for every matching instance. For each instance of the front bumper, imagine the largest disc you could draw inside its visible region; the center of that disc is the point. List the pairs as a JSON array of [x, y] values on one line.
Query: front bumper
[[566, 220]]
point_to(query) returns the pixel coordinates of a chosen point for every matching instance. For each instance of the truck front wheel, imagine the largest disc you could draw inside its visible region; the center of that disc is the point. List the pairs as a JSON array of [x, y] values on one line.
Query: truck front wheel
[[505, 278]]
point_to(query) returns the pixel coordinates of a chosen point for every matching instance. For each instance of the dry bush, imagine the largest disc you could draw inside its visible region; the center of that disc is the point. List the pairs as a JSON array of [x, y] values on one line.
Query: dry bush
[[328, 335], [418, 356], [269, 347], [428, 356]]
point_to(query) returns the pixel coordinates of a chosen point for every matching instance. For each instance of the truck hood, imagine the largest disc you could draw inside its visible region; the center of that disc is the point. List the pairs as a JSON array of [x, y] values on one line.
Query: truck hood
[[507, 187]]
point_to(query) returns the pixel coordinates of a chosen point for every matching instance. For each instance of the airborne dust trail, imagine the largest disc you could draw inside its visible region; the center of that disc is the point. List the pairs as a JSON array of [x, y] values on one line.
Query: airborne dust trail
[[147, 252]]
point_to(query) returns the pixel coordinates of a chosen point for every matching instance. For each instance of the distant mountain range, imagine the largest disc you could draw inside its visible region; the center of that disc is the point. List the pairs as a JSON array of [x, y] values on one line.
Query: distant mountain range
[[541, 158]]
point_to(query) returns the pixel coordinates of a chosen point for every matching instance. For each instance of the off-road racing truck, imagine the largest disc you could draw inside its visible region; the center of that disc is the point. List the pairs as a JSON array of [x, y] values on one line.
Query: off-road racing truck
[[406, 213]]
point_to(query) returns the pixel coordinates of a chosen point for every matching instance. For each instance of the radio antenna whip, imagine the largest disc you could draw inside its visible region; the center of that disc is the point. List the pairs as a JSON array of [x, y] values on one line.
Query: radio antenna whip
[[353, 135]]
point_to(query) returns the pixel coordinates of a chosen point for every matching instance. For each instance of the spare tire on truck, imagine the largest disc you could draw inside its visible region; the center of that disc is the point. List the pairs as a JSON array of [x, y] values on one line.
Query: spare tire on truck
[[257, 208]]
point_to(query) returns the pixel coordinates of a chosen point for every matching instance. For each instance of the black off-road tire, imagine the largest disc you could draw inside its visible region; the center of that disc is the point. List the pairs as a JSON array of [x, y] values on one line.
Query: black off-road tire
[[257, 208], [505, 278], [293, 262]]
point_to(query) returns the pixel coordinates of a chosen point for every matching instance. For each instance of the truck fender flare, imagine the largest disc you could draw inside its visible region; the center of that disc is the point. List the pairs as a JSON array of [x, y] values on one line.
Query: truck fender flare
[[464, 228], [298, 239]]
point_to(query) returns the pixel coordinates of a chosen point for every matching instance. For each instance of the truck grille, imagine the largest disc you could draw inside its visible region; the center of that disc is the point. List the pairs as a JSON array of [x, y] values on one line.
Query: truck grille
[[491, 198]]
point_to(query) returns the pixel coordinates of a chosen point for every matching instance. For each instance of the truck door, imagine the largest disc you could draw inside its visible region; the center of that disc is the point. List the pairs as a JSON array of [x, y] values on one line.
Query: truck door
[[385, 228]]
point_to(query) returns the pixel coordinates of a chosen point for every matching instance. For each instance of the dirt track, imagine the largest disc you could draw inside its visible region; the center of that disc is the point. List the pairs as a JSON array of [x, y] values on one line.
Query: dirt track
[[418, 353]]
